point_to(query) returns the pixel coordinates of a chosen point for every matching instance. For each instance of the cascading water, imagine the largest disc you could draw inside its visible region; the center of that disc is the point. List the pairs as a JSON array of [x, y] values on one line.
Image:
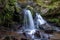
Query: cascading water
[[28, 20], [29, 26], [30, 29], [41, 22]]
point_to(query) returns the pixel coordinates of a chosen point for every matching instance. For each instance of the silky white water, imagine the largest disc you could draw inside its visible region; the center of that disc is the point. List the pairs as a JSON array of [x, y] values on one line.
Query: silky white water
[[39, 19], [28, 22]]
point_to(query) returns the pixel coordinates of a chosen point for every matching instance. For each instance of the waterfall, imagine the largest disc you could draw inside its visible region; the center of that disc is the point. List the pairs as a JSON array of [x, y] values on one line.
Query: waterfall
[[28, 21], [40, 20], [29, 27]]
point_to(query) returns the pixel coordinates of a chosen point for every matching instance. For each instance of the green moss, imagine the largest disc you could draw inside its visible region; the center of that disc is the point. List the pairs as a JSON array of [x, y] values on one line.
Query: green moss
[[31, 9], [52, 5], [54, 20], [10, 9]]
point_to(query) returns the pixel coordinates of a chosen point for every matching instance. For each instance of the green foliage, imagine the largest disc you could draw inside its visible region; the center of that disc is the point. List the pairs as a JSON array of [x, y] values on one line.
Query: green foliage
[[56, 20], [12, 2], [6, 15], [53, 4]]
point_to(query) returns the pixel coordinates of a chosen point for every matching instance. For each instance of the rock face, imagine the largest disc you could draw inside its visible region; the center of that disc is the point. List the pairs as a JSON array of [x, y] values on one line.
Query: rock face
[[44, 10]]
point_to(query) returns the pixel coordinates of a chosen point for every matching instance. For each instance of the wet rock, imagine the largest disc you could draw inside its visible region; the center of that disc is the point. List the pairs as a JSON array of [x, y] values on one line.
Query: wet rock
[[46, 26], [44, 10], [7, 38], [23, 39], [49, 31], [37, 34]]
